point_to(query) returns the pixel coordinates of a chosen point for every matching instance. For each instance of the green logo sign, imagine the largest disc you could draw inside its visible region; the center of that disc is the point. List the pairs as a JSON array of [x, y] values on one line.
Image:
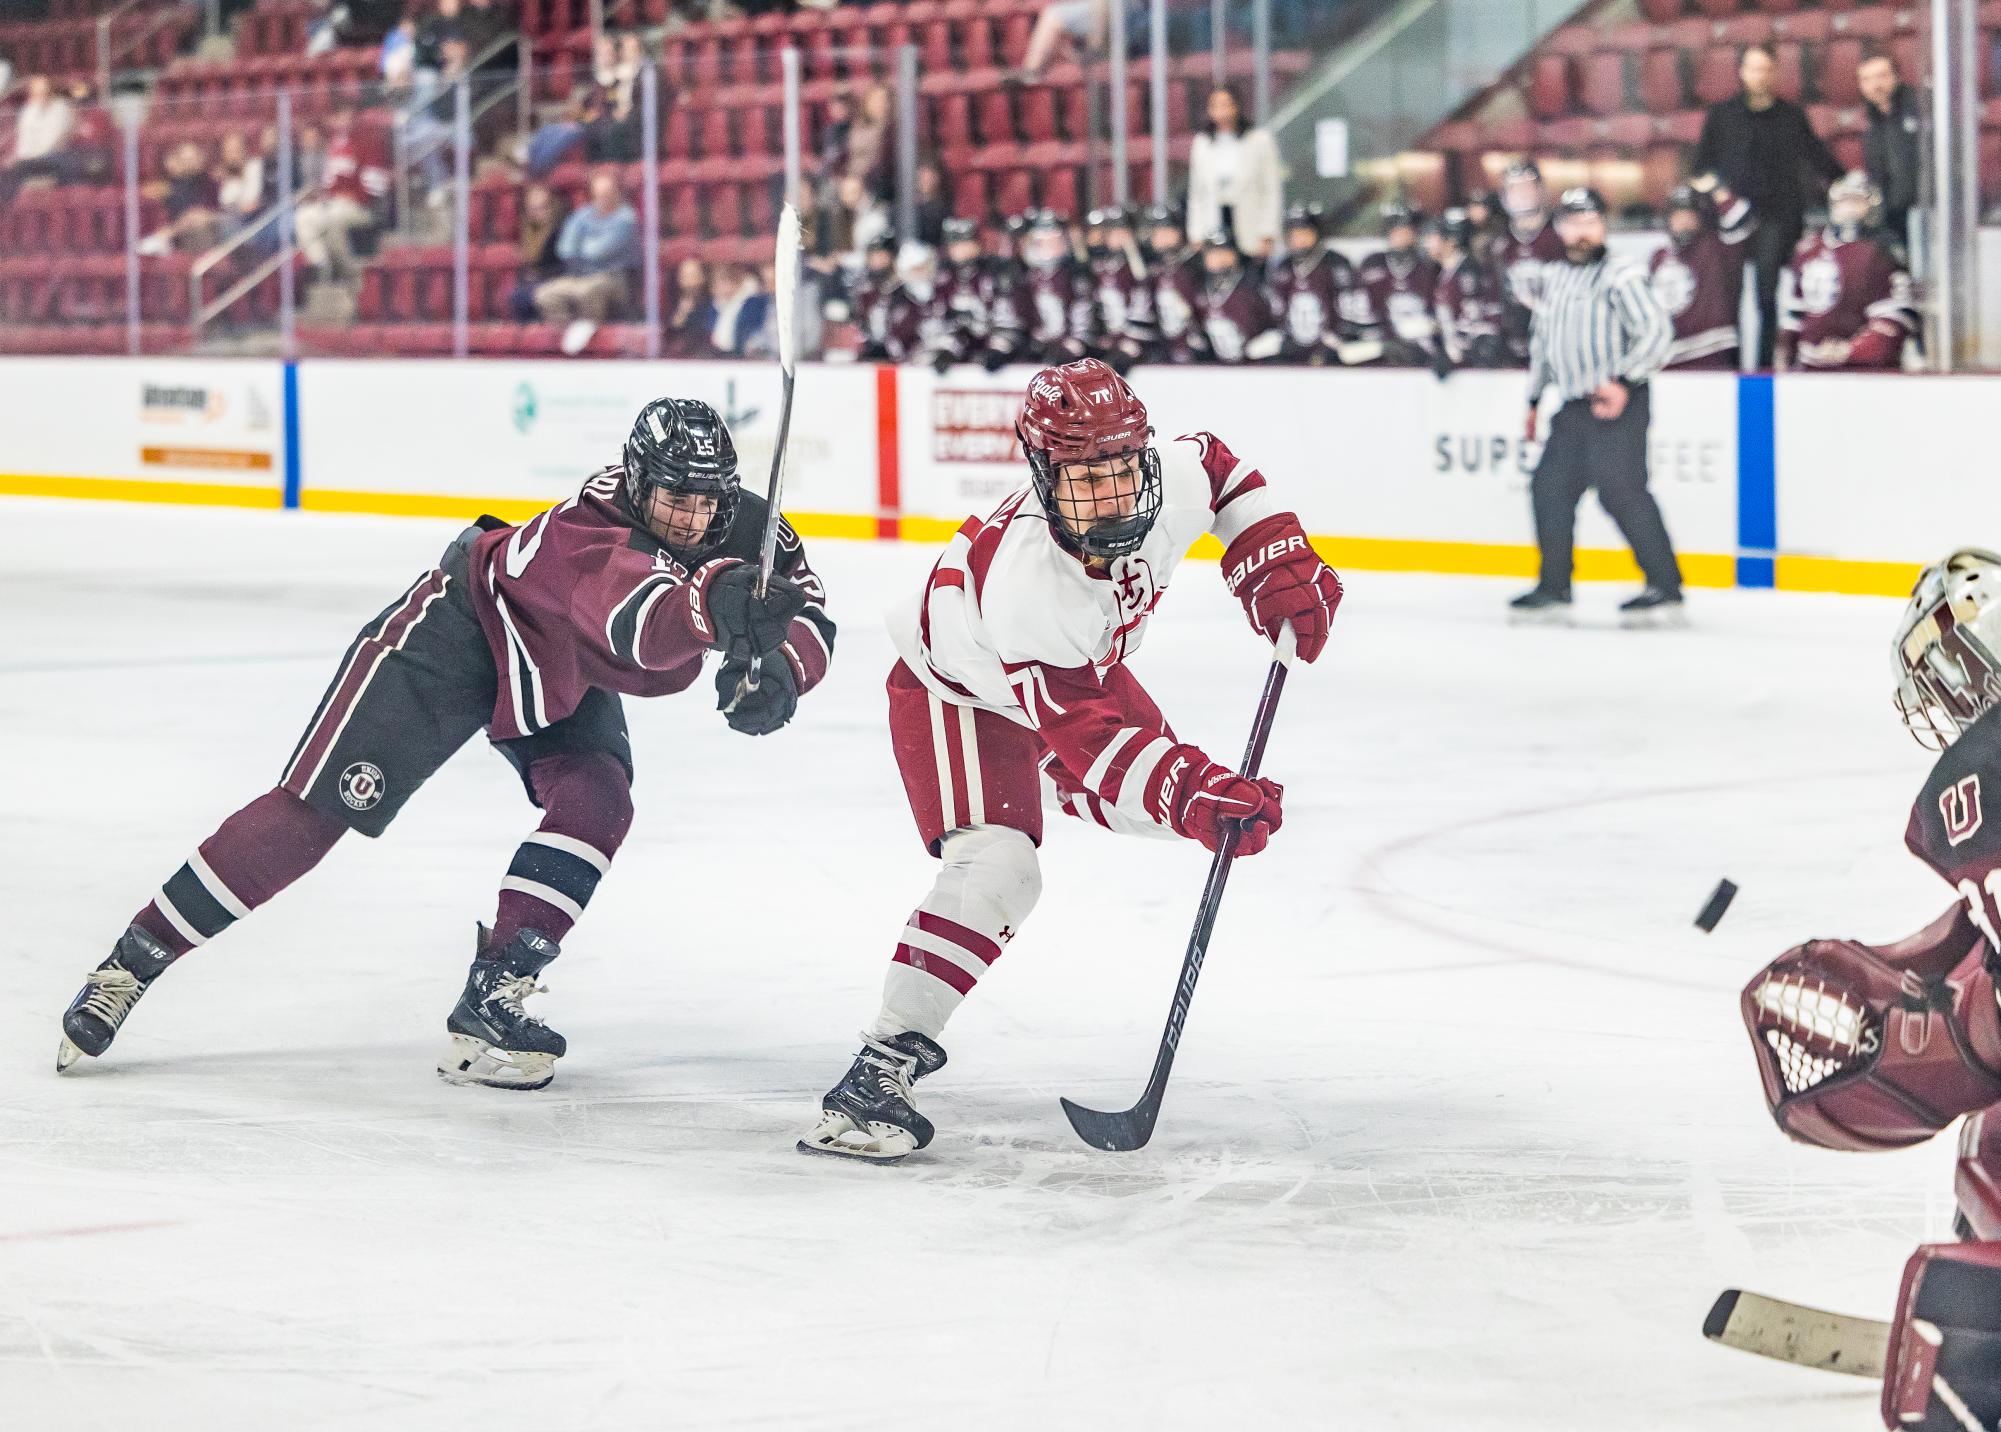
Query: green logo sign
[[524, 407]]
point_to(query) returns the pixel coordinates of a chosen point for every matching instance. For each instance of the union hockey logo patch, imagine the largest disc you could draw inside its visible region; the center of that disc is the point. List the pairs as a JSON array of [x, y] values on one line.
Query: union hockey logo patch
[[361, 786], [1959, 807]]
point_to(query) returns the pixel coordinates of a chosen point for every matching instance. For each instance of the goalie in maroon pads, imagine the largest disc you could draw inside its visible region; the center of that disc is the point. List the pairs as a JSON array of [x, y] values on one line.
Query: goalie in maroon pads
[[1880, 1047], [530, 634], [1014, 664]]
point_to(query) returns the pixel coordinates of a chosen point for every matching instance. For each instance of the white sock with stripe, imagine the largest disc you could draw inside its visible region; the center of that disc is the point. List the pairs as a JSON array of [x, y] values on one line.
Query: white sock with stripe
[[988, 882]]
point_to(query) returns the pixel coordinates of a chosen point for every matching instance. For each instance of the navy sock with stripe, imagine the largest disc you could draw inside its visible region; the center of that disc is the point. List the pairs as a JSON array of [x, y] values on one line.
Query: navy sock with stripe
[[251, 857]]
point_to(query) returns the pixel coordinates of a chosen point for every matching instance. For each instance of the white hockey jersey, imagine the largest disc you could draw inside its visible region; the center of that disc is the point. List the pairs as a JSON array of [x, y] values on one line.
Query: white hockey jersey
[[1010, 622]]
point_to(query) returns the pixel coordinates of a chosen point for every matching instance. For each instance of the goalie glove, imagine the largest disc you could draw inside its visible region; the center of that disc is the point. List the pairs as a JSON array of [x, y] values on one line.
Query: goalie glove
[[1273, 570]]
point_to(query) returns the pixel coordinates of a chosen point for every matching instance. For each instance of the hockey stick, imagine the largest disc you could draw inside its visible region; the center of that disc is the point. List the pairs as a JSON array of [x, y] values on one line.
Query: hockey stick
[[1130, 1129], [1805, 1337], [784, 283]]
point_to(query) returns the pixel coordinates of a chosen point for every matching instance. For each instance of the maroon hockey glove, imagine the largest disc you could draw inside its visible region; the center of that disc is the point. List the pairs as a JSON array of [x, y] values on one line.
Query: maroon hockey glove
[[1274, 571], [1210, 799], [1866, 1047], [1945, 1345]]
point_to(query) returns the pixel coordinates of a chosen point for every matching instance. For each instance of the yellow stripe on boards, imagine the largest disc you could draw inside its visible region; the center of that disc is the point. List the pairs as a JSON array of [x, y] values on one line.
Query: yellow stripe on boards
[[1367, 554], [111, 489], [1841, 574]]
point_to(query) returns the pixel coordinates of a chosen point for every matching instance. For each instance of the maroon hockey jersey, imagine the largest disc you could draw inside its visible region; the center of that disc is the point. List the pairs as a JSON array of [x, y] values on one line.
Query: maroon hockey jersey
[[972, 306], [1122, 301], [1400, 290], [1845, 291], [1306, 293], [1470, 309], [1057, 310], [1518, 261], [1176, 280], [578, 597], [1701, 285], [1235, 319]]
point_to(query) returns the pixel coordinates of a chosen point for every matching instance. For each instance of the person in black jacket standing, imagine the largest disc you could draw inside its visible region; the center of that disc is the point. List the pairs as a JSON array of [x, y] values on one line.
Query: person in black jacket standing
[[1891, 152], [1759, 144]]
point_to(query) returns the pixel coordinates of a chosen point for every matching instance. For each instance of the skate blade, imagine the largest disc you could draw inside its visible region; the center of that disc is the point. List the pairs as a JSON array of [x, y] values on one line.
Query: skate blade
[[1659, 619], [66, 1055], [885, 1145], [475, 1062], [1547, 617]]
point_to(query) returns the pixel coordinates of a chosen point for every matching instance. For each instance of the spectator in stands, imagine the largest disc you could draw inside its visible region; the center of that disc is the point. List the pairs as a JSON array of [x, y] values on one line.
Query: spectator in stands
[[693, 316], [1233, 179], [239, 184], [341, 209], [433, 30], [741, 306], [604, 61], [309, 158], [869, 141], [188, 194], [326, 28], [599, 249], [541, 225], [631, 60], [41, 128], [1890, 152], [934, 205], [1760, 146], [481, 22], [432, 123], [399, 54], [857, 218], [87, 155], [611, 124]]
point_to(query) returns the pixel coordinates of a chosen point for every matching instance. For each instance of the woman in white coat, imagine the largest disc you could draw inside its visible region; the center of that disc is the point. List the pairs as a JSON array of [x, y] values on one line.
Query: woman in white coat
[[1234, 180]]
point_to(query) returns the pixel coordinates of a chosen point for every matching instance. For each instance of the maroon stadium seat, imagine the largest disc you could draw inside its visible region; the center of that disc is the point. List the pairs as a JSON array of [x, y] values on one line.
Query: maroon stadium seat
[[1662, 86], [1550, 87], [1838, 62], [1604, 87]]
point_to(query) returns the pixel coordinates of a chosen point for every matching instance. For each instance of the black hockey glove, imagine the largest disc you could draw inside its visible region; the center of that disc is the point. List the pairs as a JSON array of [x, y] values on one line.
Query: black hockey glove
[[993, 360], [941, 362], [745, 626], [759, 712], [1441, 365]]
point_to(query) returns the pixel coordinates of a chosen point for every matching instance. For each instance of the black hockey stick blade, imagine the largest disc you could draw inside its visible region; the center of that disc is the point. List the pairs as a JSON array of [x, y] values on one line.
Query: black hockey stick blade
[[1805, 1337], [1118, 1133], [1129, 1129]]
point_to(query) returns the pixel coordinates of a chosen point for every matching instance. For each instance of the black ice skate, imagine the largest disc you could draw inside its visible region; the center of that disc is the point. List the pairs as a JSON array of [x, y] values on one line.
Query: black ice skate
[[494, 1041], [869, 1114], [1541, 604], [1655, 606], [108, 994]]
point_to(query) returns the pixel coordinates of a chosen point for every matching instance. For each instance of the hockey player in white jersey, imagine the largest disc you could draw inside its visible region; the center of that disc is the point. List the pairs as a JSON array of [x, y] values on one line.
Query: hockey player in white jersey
[[1013, 670]]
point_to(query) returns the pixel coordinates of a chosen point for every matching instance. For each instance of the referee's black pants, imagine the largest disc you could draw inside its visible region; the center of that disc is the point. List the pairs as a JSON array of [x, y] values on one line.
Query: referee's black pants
[[1584, 452]]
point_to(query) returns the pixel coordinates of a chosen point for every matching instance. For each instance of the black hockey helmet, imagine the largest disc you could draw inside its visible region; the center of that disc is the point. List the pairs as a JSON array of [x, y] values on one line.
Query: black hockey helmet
[[1161, 216], [960, 231], [1401, 216], [1455, 226], [1583, 200], [1307, 216], [681, 446], [1517, 178], [885, 242]]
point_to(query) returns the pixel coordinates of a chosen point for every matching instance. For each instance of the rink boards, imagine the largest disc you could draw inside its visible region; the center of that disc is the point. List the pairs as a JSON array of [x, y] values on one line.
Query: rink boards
[[1815, 483]]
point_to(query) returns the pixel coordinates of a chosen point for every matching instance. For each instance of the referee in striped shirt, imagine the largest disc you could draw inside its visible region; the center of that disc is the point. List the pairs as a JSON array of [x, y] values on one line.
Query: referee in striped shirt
[[1599, 336]]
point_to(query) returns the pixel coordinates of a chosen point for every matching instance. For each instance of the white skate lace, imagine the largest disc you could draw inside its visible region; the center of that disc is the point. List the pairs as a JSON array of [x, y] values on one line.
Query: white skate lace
[[511, 990], [112, 994], [896, 1069]]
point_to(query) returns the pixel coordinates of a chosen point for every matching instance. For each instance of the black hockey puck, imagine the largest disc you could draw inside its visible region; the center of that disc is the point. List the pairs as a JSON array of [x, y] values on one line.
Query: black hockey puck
[[1712, 913]]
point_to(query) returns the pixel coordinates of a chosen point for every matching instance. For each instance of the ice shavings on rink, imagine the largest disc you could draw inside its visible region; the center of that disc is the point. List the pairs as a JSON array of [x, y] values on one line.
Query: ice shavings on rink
[[1465, 1130]]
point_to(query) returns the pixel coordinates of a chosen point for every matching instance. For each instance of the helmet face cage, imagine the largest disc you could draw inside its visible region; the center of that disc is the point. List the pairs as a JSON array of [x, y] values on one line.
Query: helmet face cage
[[1946, 669], [682, 448], [1072, 519]]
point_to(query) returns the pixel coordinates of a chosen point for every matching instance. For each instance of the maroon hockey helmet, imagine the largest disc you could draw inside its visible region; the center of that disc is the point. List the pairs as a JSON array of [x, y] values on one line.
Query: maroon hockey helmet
[[1083, 412]]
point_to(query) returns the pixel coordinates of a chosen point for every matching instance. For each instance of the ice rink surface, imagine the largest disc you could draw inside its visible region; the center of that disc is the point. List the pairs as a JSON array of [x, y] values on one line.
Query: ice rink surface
[[1465, 1131]]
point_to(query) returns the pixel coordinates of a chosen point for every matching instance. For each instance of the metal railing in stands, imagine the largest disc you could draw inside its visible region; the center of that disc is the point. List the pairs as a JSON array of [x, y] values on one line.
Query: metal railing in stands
[[109, 49], [201, 313], [408, 154]]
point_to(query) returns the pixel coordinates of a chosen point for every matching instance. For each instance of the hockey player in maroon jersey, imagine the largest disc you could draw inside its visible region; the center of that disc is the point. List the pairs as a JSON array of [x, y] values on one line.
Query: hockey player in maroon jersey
[[969, 285], [907, 324], [1177, 275], [1053, 294], [1699, 276], [1306, 286], [1122, 293], [1881, 1046], [1013, 664], [1527, 241], [869, 293], [1396, 326], [1232, 310], [1467, 303], [1845, 299], [531, 633]]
